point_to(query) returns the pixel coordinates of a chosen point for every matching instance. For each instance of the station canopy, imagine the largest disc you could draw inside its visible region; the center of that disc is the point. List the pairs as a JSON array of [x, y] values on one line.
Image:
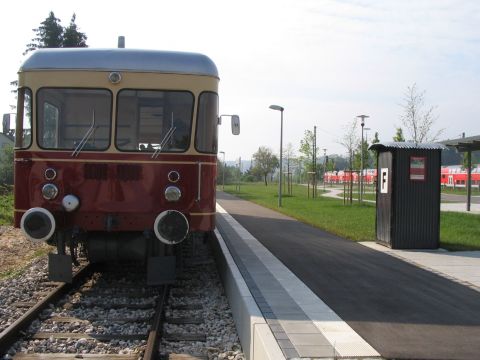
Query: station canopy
[[467, 145], [464, 144]]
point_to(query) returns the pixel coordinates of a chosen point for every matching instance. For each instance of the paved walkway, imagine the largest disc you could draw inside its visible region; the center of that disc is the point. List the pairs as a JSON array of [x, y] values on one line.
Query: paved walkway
[[460, 266], [303, 325], [403, 311], [457, 207]]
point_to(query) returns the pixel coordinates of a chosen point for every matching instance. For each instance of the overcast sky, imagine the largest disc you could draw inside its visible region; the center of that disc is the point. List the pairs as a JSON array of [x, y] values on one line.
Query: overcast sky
[[324, 61]]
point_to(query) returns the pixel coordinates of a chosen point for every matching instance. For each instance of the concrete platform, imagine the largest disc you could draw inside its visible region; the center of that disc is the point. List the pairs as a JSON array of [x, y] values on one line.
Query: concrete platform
[[302, 324], [402, 310], [459, 266]]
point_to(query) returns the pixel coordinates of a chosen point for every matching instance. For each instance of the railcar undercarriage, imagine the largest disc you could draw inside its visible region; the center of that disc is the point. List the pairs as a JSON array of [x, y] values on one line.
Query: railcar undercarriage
[[101, 247]]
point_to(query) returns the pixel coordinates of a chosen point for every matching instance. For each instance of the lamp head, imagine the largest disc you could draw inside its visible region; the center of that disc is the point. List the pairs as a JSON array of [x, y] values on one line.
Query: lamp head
[[276, 107], [363, 117]]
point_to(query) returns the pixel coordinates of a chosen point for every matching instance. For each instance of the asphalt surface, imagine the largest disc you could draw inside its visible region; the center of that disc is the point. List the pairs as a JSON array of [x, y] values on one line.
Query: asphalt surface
[[475, 199], [403, 311]]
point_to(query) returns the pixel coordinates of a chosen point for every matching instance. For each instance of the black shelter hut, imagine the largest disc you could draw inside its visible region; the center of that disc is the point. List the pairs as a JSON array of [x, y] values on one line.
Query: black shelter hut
[[408, 194]]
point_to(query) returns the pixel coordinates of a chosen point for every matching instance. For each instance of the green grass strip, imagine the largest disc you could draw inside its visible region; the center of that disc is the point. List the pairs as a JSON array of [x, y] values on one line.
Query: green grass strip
[[458, 231]]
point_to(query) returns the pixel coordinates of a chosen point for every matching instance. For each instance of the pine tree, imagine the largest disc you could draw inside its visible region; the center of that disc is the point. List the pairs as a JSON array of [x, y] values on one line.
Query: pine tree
[[72, 37], [399, 135], [48, 35], [373, 154]]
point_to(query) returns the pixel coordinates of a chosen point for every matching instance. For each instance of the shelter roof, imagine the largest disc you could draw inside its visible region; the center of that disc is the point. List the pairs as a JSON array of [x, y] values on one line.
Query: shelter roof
[[406, 145]]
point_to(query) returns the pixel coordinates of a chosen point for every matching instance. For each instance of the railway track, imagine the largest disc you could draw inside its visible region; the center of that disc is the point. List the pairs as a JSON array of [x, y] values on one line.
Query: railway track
[[107, 313], [102, 314]]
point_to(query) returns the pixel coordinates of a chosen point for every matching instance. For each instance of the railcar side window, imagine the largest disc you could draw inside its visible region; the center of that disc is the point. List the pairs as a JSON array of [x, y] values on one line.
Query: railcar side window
[[148, 120], [68, 117], [23, 131], [207, 121]]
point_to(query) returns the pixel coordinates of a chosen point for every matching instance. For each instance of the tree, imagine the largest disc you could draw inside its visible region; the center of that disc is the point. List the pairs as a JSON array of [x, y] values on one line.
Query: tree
[[288, 156], [265, 162], [373, 154], [306, 149], [6, 165], [417, 118], [72, 37], [399, 135], [350, 140], [48, 35], [475, 159], [358, 156]]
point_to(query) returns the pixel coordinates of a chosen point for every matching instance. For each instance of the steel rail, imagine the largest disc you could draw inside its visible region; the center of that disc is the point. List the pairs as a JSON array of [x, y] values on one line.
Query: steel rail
[[10, 334], [151, 351]]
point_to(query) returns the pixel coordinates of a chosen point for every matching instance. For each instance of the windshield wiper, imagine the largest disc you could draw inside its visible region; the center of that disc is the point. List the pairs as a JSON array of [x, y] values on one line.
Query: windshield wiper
[[165, 139], [85, 138]]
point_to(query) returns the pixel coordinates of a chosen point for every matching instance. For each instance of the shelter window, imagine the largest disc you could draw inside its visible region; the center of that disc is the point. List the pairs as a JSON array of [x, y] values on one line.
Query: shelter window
[[206, 139], [148, 120], [68, 116]]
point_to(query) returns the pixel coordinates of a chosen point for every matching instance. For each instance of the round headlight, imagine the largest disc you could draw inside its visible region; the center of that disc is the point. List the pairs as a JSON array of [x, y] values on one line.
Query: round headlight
[[173, 193], [50, 174], [49, 191]]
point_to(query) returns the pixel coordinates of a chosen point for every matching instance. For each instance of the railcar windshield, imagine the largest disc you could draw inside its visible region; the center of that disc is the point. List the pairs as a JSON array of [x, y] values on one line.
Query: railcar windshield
[[154, 120], [65, 117]]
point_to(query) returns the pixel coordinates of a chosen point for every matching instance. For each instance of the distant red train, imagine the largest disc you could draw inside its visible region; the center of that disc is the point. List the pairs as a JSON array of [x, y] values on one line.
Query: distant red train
[[342, 176], [451, 176], [455, 176]]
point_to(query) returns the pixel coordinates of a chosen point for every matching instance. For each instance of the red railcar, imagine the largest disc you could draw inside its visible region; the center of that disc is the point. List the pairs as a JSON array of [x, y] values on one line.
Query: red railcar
[[116, 152]]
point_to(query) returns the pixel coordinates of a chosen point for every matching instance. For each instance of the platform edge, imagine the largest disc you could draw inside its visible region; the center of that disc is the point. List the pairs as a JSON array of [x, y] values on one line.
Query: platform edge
[[257, 339]]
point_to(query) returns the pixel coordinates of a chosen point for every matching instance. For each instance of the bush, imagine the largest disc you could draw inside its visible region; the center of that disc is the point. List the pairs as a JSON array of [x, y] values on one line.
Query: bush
[[6, 165]]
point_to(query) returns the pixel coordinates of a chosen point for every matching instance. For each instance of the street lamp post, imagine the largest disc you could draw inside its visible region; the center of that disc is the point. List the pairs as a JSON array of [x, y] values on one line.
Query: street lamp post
[[223, 172], [362, 117], [366, 129], [279, 108], [324, 166]]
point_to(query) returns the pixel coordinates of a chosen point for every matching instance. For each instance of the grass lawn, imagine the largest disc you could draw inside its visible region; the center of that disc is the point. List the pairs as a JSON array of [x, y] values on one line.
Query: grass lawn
[[458, 231], [366, 196], [335, 217], [6, 209]]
